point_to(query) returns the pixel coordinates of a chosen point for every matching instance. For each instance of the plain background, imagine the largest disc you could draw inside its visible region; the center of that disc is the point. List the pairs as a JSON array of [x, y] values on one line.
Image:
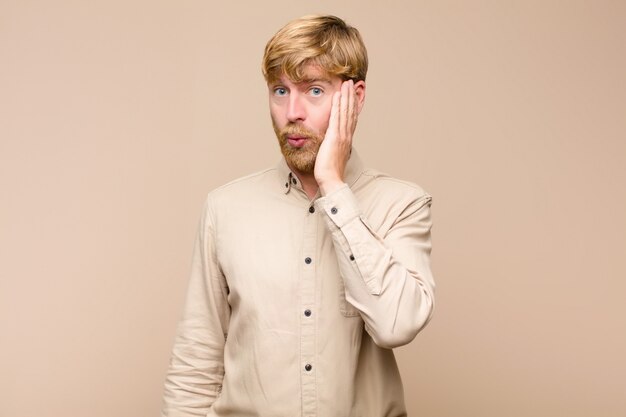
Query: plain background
[[117, 117]]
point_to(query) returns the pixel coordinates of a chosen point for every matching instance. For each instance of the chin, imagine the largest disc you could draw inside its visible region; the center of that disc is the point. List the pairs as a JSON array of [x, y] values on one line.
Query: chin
[[304, 164]]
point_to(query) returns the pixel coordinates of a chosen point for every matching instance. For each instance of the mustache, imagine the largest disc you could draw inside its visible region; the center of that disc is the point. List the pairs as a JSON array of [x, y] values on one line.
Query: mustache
[[294, 129]]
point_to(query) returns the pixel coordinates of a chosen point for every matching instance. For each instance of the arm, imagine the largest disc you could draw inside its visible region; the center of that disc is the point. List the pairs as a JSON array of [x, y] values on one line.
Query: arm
[[387, 278], [194, 378]]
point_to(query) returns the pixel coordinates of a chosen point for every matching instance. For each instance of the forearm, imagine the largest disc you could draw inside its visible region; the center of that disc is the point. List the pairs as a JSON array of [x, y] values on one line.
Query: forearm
[[196, 371], [194, 378], [388, 280]]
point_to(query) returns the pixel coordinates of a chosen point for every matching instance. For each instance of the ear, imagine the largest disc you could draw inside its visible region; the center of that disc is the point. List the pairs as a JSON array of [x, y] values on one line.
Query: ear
[[359, 89]]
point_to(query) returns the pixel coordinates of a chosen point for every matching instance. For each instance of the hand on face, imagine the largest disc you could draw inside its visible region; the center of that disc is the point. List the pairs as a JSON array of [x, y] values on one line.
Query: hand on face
[[334, 151]]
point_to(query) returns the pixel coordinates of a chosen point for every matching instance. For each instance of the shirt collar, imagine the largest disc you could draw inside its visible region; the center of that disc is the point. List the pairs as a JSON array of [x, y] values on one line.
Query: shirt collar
[[288, 179]]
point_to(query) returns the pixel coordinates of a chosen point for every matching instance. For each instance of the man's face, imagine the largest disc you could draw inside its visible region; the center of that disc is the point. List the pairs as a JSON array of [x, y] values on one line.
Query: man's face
[[300, 114]]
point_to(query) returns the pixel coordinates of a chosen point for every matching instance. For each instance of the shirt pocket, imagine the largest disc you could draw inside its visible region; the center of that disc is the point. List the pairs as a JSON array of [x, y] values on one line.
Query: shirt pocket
[[346, 309]]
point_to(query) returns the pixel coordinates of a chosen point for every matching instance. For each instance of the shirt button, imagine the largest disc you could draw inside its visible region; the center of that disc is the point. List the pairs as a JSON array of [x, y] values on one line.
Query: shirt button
[[307, 312], [311, 209], [352, 257], [308, 367], [286, 185], [293, 181], [308, 260], [333, 210]]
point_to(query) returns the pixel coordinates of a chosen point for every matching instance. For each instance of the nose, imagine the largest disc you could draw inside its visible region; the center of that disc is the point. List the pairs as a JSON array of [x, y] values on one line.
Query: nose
[[295, 108]]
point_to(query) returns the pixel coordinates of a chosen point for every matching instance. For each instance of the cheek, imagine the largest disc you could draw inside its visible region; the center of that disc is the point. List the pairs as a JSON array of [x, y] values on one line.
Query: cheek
[[322, 119], [276, 116], [324, 126]]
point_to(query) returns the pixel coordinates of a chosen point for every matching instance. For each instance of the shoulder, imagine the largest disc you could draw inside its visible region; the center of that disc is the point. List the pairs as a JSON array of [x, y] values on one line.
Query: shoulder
[[385, 200], [242, 192], [388, 187], [245, 186]]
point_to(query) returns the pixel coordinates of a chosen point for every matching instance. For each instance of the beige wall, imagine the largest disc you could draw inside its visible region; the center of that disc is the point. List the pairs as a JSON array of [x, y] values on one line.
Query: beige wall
[[116, 118]]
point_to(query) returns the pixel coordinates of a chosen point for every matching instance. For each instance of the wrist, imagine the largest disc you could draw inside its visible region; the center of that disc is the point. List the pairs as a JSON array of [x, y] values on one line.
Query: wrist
[[328, 186]]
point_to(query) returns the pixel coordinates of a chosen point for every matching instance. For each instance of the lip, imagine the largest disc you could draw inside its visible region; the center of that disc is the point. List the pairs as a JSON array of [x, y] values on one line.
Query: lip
[[296, 141]]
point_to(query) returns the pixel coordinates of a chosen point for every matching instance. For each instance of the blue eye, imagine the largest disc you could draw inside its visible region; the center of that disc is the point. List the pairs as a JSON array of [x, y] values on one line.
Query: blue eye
[[280, 91], [316, 91]]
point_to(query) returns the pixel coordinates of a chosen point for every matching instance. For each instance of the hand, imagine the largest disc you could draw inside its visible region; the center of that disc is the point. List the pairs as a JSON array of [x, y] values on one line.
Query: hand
[[334, 151]]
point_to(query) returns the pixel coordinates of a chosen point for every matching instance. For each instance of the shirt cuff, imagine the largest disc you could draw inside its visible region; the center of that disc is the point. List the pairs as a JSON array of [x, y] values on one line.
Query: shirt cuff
[[340, 206]]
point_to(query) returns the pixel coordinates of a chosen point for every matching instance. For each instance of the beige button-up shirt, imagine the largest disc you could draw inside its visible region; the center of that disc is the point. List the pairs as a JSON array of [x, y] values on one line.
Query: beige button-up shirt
[[294, 305]]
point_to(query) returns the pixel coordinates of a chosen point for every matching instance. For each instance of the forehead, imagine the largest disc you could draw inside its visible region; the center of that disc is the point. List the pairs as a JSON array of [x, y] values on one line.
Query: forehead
[[309, 73]]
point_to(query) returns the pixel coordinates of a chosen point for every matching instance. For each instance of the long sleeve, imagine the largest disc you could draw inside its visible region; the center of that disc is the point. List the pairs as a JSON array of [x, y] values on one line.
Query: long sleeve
[[387, 278], [196, 371]]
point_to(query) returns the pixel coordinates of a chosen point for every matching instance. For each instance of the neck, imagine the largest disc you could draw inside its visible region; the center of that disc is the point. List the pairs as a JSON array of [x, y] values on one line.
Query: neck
[[309, 184]]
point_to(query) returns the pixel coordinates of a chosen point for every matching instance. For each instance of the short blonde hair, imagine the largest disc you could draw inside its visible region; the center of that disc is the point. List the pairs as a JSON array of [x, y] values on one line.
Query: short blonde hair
[[326, 41]]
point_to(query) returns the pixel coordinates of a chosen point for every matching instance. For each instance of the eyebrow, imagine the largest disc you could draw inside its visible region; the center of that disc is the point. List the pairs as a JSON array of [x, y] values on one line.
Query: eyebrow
[[315, 80]]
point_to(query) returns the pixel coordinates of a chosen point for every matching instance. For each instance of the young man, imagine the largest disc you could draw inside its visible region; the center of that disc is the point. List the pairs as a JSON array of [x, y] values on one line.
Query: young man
[[305, 275]]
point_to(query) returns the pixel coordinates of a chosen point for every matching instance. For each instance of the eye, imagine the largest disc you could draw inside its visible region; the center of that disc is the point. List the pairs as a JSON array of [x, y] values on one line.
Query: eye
[[280, 91], [316, 91]]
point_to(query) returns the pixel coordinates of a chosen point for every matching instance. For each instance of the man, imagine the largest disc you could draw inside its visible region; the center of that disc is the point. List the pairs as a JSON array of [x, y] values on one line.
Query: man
[[305, 275]]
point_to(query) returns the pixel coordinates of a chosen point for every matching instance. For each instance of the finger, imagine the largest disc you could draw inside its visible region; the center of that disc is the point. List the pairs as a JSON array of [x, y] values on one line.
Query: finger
[[333, 122], [343, 109], [351, 109], [349, 123]]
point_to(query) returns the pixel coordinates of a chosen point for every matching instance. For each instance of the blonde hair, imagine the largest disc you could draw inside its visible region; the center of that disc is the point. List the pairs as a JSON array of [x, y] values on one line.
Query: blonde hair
[[326, 41]]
